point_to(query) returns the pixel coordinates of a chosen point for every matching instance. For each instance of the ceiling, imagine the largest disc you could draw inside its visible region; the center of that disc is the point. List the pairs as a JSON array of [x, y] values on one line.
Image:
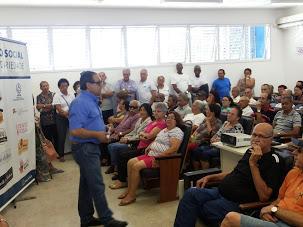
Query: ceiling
[[156, 3]]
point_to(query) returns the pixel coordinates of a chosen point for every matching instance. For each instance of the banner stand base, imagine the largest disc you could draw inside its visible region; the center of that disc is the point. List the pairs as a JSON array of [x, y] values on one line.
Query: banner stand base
[[14, 202]]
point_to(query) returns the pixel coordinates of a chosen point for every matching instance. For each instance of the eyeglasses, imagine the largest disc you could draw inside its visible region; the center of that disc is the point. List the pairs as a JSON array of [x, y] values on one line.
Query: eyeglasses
[[96, 82], [133, 107], [254, 135]]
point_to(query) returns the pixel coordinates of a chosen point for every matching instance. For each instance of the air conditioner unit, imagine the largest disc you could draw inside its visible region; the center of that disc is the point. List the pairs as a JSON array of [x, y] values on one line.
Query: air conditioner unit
[[290, 21]]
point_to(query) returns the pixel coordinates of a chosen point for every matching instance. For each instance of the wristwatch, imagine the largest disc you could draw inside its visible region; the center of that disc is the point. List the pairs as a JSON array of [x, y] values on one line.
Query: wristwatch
[[274, 209]]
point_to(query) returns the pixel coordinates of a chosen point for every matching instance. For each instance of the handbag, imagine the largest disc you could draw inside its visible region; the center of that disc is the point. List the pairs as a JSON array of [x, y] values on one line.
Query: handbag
[[47, 146]]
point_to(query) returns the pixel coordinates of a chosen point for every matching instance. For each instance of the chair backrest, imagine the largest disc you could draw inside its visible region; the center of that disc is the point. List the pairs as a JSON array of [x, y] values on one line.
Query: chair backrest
[[247, 124], [186, 128]]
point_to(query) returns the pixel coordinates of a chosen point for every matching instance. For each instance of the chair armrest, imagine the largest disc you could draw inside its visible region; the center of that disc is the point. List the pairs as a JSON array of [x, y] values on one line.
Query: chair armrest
[[253, 205], [193, 176], [172, 156]]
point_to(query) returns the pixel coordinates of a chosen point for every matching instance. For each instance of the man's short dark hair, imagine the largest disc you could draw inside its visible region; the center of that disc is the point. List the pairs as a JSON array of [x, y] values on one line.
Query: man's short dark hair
[[282, 86], [61, 81], [216, 109], [85, 77], [221, 70]]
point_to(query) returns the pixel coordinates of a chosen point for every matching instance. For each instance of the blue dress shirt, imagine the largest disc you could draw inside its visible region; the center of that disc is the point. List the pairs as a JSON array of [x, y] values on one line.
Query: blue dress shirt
[[85, 113]]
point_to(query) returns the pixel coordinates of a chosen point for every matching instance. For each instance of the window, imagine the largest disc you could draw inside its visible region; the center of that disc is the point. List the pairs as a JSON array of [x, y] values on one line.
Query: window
[[231, 43], [3, 33], [37, 46], [107, 47], [203, 44], [259, 42], [80, 47], [141, 46], [172, 44], [70, 49]]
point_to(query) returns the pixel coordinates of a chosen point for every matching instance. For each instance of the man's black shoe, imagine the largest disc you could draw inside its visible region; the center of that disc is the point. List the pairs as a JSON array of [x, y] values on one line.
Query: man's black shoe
[[116, 223], [93, 222]]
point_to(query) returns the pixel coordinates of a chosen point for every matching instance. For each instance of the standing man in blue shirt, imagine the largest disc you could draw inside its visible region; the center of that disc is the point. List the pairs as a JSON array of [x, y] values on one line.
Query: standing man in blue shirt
[[222, 84], [87, 130]]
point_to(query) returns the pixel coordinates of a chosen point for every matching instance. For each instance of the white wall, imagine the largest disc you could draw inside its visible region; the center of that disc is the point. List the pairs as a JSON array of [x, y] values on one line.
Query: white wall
[[293, 38], [271, 71]]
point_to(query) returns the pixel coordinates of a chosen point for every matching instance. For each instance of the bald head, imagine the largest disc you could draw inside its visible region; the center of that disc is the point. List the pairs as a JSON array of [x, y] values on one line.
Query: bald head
[[262, 136], [243, 102]]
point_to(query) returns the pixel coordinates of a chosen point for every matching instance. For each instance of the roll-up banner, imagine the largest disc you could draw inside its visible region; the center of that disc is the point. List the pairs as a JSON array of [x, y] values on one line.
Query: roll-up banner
[[17, 129]]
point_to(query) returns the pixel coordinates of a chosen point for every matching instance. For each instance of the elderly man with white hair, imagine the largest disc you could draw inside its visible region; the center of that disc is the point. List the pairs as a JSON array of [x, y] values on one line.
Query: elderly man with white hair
[[197, 116], [146, 88], [126, 88], [246, 109]]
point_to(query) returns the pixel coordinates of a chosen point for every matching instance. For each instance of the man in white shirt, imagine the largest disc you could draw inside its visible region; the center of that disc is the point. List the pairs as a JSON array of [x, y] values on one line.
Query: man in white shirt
[[248, 93], [180, 82], [146, 88], [235, 94], [107, 92], [183, 107], [197, 116], [246, 109], [162, 87], [197, 81]]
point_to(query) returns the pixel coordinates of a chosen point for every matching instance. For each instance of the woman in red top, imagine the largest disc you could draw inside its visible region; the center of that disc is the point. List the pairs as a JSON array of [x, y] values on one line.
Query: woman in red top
[[146, 138]]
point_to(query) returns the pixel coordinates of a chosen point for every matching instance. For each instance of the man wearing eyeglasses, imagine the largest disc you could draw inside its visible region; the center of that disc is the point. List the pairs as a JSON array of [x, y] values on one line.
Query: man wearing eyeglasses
[[87, 130], [287, 210], [257, 176]]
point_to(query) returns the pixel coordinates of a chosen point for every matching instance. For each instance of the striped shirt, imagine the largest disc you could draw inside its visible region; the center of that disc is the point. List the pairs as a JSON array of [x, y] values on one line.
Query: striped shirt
[[162, 141], [286, 122]]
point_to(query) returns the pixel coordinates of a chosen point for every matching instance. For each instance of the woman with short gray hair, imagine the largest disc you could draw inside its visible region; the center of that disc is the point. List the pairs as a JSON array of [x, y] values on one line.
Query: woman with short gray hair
[[197, 116]]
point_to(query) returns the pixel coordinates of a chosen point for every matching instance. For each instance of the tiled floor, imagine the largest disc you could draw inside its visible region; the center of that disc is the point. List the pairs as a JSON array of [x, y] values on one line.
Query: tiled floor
[[56, 204]]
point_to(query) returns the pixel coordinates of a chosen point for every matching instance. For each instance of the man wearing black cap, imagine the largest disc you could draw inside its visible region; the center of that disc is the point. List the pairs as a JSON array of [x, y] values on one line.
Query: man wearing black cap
[[87, 130]]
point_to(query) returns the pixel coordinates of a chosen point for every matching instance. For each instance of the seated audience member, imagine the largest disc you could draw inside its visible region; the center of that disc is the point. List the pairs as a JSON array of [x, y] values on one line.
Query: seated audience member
[[264, 113], [281, 89], [235, 94], [126, 88], [128, 123], [172, 102], [162, 87], [203, 154], [227, 104], [197, 116], [246, 109], [287, 210], [207, 129], [213, 98], [298, 96], [166, 143], [221, 85], [113, 148], [180, 82], [201, 95], [248, 93], [246, 82], [107, 93], [76, 87], [146, 88], [146, 138], [266, 88], [183, 105], [299, 83], [257, 176], [123, 107], [158, 98], [284, 93], [287, 122], [198, 83]]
